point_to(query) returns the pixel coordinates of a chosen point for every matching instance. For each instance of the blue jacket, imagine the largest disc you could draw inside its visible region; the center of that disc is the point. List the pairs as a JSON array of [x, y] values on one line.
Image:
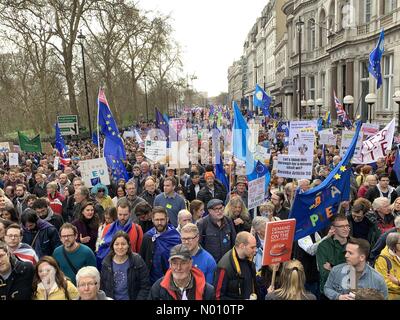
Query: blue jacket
[[338, 282], [204, 261]]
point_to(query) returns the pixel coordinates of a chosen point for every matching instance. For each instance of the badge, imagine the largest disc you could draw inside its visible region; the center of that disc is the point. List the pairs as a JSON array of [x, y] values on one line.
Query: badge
[[169, 206]]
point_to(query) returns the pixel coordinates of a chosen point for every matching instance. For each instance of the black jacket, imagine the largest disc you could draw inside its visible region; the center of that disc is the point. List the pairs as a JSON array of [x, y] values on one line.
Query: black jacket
[[150, 197], [205, 194], [374, 193], [138, 278], [214, 239], [18, 285], [39, 191], [191, 193]]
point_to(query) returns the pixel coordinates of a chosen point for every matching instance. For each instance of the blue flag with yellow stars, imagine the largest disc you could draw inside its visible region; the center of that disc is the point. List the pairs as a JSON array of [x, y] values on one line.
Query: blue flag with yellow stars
[[375, 57], [60, 144], [313, 208], [113, 148]]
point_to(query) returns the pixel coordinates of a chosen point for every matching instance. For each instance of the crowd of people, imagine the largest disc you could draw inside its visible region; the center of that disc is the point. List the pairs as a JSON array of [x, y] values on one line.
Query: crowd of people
[[168, 234]]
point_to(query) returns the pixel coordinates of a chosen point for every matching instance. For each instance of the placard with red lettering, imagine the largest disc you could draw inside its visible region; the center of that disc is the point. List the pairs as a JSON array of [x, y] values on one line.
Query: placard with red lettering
[[278, 243]]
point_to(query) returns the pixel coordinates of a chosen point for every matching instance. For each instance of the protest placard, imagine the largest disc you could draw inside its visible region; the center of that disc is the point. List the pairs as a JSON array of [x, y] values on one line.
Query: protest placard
[[128, 134], [13, 159], [179, 155], [94, 171], [256, 192], [6, 146], [347, 137], [262, 154], [56, 162], [278, 241], [297, 167], [302, 137], [156, 151]]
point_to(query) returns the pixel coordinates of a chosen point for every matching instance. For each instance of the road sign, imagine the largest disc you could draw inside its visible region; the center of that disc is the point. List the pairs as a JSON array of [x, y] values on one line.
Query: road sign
[[68, 124]]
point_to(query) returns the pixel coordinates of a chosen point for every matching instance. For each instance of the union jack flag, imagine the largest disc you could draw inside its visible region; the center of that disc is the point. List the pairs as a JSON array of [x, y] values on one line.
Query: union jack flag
[[341, 113]]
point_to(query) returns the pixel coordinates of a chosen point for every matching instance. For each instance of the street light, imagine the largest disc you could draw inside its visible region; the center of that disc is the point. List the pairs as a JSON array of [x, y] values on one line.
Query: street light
[[311, 104], [348, 101], [396, 98], [303, 104], [145, 92], [82, 37], [299, 25], [370, 99], [319, 102]]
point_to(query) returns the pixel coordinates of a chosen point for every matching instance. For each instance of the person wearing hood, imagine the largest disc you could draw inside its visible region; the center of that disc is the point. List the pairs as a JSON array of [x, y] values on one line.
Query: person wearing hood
[[55, 198], [88, 225], [46, 213], [20, 200], [100, 192], [15, 276], [41, 235]]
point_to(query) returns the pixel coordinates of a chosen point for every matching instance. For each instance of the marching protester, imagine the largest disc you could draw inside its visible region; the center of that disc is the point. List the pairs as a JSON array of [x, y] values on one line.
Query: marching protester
[[22, 251], [88, 283]]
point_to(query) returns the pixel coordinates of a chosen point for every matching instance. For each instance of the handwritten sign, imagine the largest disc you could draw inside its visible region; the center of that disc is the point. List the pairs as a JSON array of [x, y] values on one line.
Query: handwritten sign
[[94, 171]]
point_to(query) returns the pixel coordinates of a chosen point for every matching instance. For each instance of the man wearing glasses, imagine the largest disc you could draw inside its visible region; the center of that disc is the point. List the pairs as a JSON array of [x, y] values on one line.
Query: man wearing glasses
[[22, 251], [201, 258], [72, 255], [217, 232], [331, 251]]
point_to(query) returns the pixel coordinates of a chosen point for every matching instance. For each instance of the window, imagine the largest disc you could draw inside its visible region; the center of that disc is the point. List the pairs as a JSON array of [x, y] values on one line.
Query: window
[[387, 82], [323, 86], [311, 87], [390, 5], [344, 75], [367, 11], [364, 88], [311, 27]]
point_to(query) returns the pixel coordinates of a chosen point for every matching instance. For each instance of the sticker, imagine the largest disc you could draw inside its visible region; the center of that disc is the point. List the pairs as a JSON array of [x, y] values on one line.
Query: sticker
[[169, 206]]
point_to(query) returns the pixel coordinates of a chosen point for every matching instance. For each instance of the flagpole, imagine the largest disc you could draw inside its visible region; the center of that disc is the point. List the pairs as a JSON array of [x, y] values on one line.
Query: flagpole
[[98, 130]]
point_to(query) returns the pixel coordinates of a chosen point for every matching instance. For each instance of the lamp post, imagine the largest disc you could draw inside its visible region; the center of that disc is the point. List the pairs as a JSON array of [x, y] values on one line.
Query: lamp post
[[145, 93], [311, 104], [370, 99], [319, 102], [299, 25], [348, 101], [396, 98], [82, 37], [303, 104]]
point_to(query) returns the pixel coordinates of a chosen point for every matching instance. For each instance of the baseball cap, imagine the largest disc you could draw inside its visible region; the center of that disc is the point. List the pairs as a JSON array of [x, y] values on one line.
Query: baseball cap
[[214, 202], [180, 251]]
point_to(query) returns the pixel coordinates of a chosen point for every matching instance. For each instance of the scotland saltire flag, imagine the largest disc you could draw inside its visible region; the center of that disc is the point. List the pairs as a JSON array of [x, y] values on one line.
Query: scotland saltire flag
[[313, 208], [60, 144], [261, 100], [113, 148], [396, 166], [375, 57], [259, 171]]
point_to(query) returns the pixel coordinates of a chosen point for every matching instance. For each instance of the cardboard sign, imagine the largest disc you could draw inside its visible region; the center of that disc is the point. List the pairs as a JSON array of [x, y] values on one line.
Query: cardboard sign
[[262, 154], [6, 147], [256, 193], [179, 155], [13, 159], [56, 162], [156, 151], [94, 171], [329, 139], [278, 241], [347, 137], [128, 134], [297, 167]]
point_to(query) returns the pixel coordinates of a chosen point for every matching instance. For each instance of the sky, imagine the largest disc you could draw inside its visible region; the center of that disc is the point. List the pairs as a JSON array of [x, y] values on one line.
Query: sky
[[211, 34]]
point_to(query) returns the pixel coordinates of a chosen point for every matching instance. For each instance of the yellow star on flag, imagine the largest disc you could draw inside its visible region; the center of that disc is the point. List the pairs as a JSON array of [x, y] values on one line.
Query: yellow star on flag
[[107, 122], [114, 161], [337, 176], [109, 116], [113, 133], [343, 168], [109, 128]]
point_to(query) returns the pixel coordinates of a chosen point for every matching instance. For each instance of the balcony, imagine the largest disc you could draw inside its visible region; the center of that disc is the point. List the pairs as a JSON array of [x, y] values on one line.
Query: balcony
[[386, 20], [363, 29]]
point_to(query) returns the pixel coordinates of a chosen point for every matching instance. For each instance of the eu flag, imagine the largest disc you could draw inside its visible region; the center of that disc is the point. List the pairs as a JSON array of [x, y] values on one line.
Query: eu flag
[[313, 208], [162, 124], [375, 57], [113, 148], [60, 144], [396, 166], [220, 173], [259, 171], [262, 100], [95, 139]]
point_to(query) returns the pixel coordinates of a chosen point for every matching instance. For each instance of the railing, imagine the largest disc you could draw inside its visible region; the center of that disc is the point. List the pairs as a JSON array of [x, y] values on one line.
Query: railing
[[386, 20], [363, 29]]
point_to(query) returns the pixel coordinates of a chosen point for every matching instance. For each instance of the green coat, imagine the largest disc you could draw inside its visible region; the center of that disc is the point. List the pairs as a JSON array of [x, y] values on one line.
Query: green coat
[[329, 250]]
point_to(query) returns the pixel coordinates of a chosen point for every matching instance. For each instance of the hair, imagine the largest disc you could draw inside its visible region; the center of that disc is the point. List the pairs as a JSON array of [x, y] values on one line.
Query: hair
[[130, 183], [5, 223], [361, 204], [88, 271], [183, 212], [259, 223], [367, 169], [68, 225], [14, 226], [242, 237], [378, 202], [120, 187], [40, 204], [392, 240], [338, 217], [84, 191], [120, 234], [383, 175], [14, 213], [21, 185], [94, 221], [244, 214], [61, 280], [112, 212], [53, 185], [397, 222], [172, 179], [190, 228], [159, 209], [31, 197], [195, 205], [363, 245], [142, 208], [29, 216], [292, 280], [4, 247], [269, 205], [123, 203], [368, 294]]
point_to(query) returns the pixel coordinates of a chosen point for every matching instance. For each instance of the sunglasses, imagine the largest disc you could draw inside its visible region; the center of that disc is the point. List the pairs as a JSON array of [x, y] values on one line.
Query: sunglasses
[[101, 190]]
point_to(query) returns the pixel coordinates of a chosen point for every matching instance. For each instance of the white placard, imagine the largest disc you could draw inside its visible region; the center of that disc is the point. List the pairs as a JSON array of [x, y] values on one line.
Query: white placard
[[13, 159], [347, 137], [94, 171], [302, 137], [179, 155], [329, 139], [156, 151], [56, 163], [256, 193], [262, 154], [5, 147], [128, 134], [297, 167]]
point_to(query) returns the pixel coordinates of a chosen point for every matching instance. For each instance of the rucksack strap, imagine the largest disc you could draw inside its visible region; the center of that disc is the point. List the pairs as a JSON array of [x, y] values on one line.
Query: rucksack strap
[[388, 262]]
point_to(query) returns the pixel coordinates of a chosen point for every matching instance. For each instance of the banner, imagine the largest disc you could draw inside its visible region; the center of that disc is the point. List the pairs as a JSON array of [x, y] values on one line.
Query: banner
[[94, 171], [177, 124], [6, 146], [278, 241], [13, 159], [156, 151], [29, 145], [376, 146], [256, 192], [296, 167], [179, 155]]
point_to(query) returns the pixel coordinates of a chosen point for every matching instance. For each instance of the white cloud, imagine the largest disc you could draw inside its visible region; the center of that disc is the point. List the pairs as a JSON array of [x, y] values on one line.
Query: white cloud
[[211, 33]]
